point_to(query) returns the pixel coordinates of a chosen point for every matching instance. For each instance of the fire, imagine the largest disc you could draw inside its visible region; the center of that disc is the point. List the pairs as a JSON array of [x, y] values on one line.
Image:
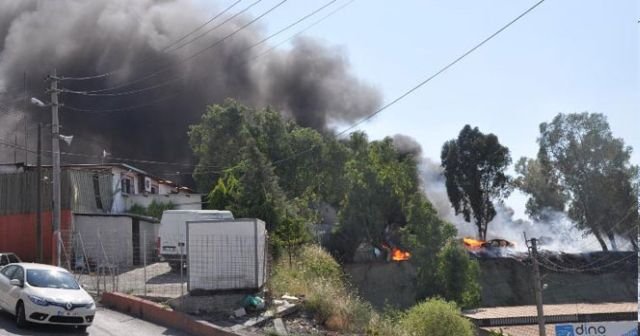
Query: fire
[[473, 244], [396, 254], [399, 255]]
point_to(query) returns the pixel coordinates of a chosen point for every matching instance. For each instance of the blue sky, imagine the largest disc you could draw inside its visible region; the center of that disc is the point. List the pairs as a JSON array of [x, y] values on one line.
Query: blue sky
[[565, 56]]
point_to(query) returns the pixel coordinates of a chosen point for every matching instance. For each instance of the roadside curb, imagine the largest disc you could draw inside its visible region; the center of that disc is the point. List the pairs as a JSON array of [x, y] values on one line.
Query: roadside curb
[[156, 313]]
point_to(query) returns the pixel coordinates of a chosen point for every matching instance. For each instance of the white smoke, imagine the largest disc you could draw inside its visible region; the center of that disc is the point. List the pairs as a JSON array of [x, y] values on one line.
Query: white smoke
[[559, 233]]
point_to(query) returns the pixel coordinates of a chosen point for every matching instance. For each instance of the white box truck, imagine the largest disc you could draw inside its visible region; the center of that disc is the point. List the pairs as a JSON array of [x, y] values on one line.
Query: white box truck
[[172, 235]]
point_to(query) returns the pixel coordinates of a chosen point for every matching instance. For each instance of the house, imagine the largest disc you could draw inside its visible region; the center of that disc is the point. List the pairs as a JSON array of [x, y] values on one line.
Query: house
[[95, 202], [131, 186]]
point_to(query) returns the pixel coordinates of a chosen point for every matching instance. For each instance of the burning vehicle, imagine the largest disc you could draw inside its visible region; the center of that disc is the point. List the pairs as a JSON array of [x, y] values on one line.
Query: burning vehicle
[[492, 248]]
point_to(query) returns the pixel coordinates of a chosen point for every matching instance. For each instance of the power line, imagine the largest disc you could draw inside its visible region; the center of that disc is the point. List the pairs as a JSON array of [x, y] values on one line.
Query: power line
[[201, 26], [131, 92], [407, 93], [88, 93], [126, 108], [419, 85], [107, 74], [124, 159], [386, 106], [217, 26], [303, 30], [188, 58], [413, 89]]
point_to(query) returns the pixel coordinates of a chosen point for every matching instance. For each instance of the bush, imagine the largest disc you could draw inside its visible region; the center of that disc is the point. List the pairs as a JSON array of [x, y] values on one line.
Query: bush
[[316, 276], [459, 276], [155, 209], [435, 317]]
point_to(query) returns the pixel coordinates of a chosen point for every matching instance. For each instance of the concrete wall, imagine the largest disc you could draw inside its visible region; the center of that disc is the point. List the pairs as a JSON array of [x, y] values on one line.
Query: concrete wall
[[109, 239], [507, 282], [383, 283], [106, 239]]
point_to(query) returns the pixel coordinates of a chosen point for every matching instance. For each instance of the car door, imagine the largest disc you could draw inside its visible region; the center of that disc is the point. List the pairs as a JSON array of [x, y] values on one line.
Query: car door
[[5, 286], [13, 295]]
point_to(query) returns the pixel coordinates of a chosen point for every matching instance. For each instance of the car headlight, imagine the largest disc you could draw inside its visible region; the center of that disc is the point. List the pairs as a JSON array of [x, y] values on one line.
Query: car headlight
[[90, 305], [38, 300]]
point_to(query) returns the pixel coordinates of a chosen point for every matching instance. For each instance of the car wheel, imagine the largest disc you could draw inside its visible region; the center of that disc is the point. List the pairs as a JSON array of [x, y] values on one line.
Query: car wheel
[[21, 320]]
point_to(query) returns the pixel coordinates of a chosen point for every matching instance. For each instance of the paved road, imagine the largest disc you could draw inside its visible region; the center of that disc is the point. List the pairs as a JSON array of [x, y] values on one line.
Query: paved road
[[107, 323]]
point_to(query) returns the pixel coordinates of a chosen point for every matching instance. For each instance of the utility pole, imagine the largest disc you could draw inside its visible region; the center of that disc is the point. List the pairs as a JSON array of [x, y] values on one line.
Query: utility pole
[[55, 151], [39, 196], [538, 286]]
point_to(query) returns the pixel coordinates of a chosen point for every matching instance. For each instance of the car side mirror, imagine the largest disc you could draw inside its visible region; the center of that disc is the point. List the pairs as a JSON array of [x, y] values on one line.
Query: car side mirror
[[16, 282]]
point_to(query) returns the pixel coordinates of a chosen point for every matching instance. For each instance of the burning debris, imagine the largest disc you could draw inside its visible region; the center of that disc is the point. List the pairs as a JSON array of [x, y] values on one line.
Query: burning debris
[[489, 248], [395, 253]]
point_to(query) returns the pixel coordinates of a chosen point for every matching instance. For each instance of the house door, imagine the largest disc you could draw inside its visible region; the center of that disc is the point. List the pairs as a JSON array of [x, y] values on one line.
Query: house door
[[135, 236]]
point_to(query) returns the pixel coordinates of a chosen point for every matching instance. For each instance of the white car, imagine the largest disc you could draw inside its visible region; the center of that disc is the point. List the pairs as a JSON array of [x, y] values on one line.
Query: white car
[[44, 294]]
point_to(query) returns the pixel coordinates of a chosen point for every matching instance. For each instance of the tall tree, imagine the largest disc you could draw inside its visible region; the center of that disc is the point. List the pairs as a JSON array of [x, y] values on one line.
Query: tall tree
[[474, 167], [591, 174], [537, 179]]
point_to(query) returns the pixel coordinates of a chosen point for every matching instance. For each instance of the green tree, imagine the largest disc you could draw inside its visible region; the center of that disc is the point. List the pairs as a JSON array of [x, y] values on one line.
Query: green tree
[[425, 235], [474, 167], [436, 317], [459, 276], [380, 182], [223, 194], [217, 140], [258, 194], [589, 173], [537, 179]]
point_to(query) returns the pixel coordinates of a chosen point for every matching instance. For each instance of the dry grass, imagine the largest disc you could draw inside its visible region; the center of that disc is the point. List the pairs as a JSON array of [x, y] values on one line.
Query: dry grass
[[316, 276]]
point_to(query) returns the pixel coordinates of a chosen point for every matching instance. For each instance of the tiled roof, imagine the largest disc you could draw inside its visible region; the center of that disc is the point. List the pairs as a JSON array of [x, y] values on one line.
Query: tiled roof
[[554, 309]]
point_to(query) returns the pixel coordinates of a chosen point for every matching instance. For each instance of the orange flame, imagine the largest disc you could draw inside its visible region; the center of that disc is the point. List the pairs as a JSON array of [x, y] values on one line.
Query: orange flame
[[472, 244], [399, 255]]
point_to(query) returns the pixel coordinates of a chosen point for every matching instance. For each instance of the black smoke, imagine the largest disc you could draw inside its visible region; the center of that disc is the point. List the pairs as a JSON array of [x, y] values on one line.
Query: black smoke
[[311, 83]]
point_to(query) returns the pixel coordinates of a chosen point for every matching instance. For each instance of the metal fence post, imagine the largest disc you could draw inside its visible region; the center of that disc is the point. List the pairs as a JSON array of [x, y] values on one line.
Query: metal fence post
[[144, 260], [181, 271]]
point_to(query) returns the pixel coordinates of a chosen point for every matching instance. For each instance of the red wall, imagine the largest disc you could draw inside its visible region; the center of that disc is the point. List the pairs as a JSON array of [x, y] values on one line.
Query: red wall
[[18, 234]]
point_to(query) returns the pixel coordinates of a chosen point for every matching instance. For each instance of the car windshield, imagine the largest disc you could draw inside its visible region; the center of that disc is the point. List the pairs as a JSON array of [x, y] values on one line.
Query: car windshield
[[51, 279]]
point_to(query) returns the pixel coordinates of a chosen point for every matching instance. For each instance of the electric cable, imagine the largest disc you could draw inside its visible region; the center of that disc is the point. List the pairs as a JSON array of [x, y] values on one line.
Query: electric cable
[[88, 93], [170, 45], [188, 58]]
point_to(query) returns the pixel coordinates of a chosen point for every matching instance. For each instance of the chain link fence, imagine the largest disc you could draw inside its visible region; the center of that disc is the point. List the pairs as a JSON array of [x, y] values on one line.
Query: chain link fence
[[137, 266], [131, 266]]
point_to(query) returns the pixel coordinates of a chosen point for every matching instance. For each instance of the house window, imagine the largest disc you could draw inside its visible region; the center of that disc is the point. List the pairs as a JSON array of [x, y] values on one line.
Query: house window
[[154, 190], [127, 185]]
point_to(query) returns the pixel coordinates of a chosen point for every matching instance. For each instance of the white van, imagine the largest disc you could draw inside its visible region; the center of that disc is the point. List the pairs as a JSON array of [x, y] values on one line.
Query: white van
[[173, 232]]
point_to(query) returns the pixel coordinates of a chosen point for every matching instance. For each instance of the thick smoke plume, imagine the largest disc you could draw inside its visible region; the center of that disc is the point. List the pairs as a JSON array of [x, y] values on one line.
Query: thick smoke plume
[[558, 233], [311, 83]]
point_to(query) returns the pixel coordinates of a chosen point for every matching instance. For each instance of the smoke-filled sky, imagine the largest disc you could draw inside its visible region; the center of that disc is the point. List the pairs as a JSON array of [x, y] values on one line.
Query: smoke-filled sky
[[565, 56], [131, 40]]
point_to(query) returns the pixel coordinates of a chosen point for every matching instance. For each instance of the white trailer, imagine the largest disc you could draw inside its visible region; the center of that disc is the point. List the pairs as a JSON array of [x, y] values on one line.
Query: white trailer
[[172, 234], [226, 254]]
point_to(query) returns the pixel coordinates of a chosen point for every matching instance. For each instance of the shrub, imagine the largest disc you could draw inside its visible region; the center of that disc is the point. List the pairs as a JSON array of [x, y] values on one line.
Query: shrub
[[316, 276], [435, 317], [459, 275]]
